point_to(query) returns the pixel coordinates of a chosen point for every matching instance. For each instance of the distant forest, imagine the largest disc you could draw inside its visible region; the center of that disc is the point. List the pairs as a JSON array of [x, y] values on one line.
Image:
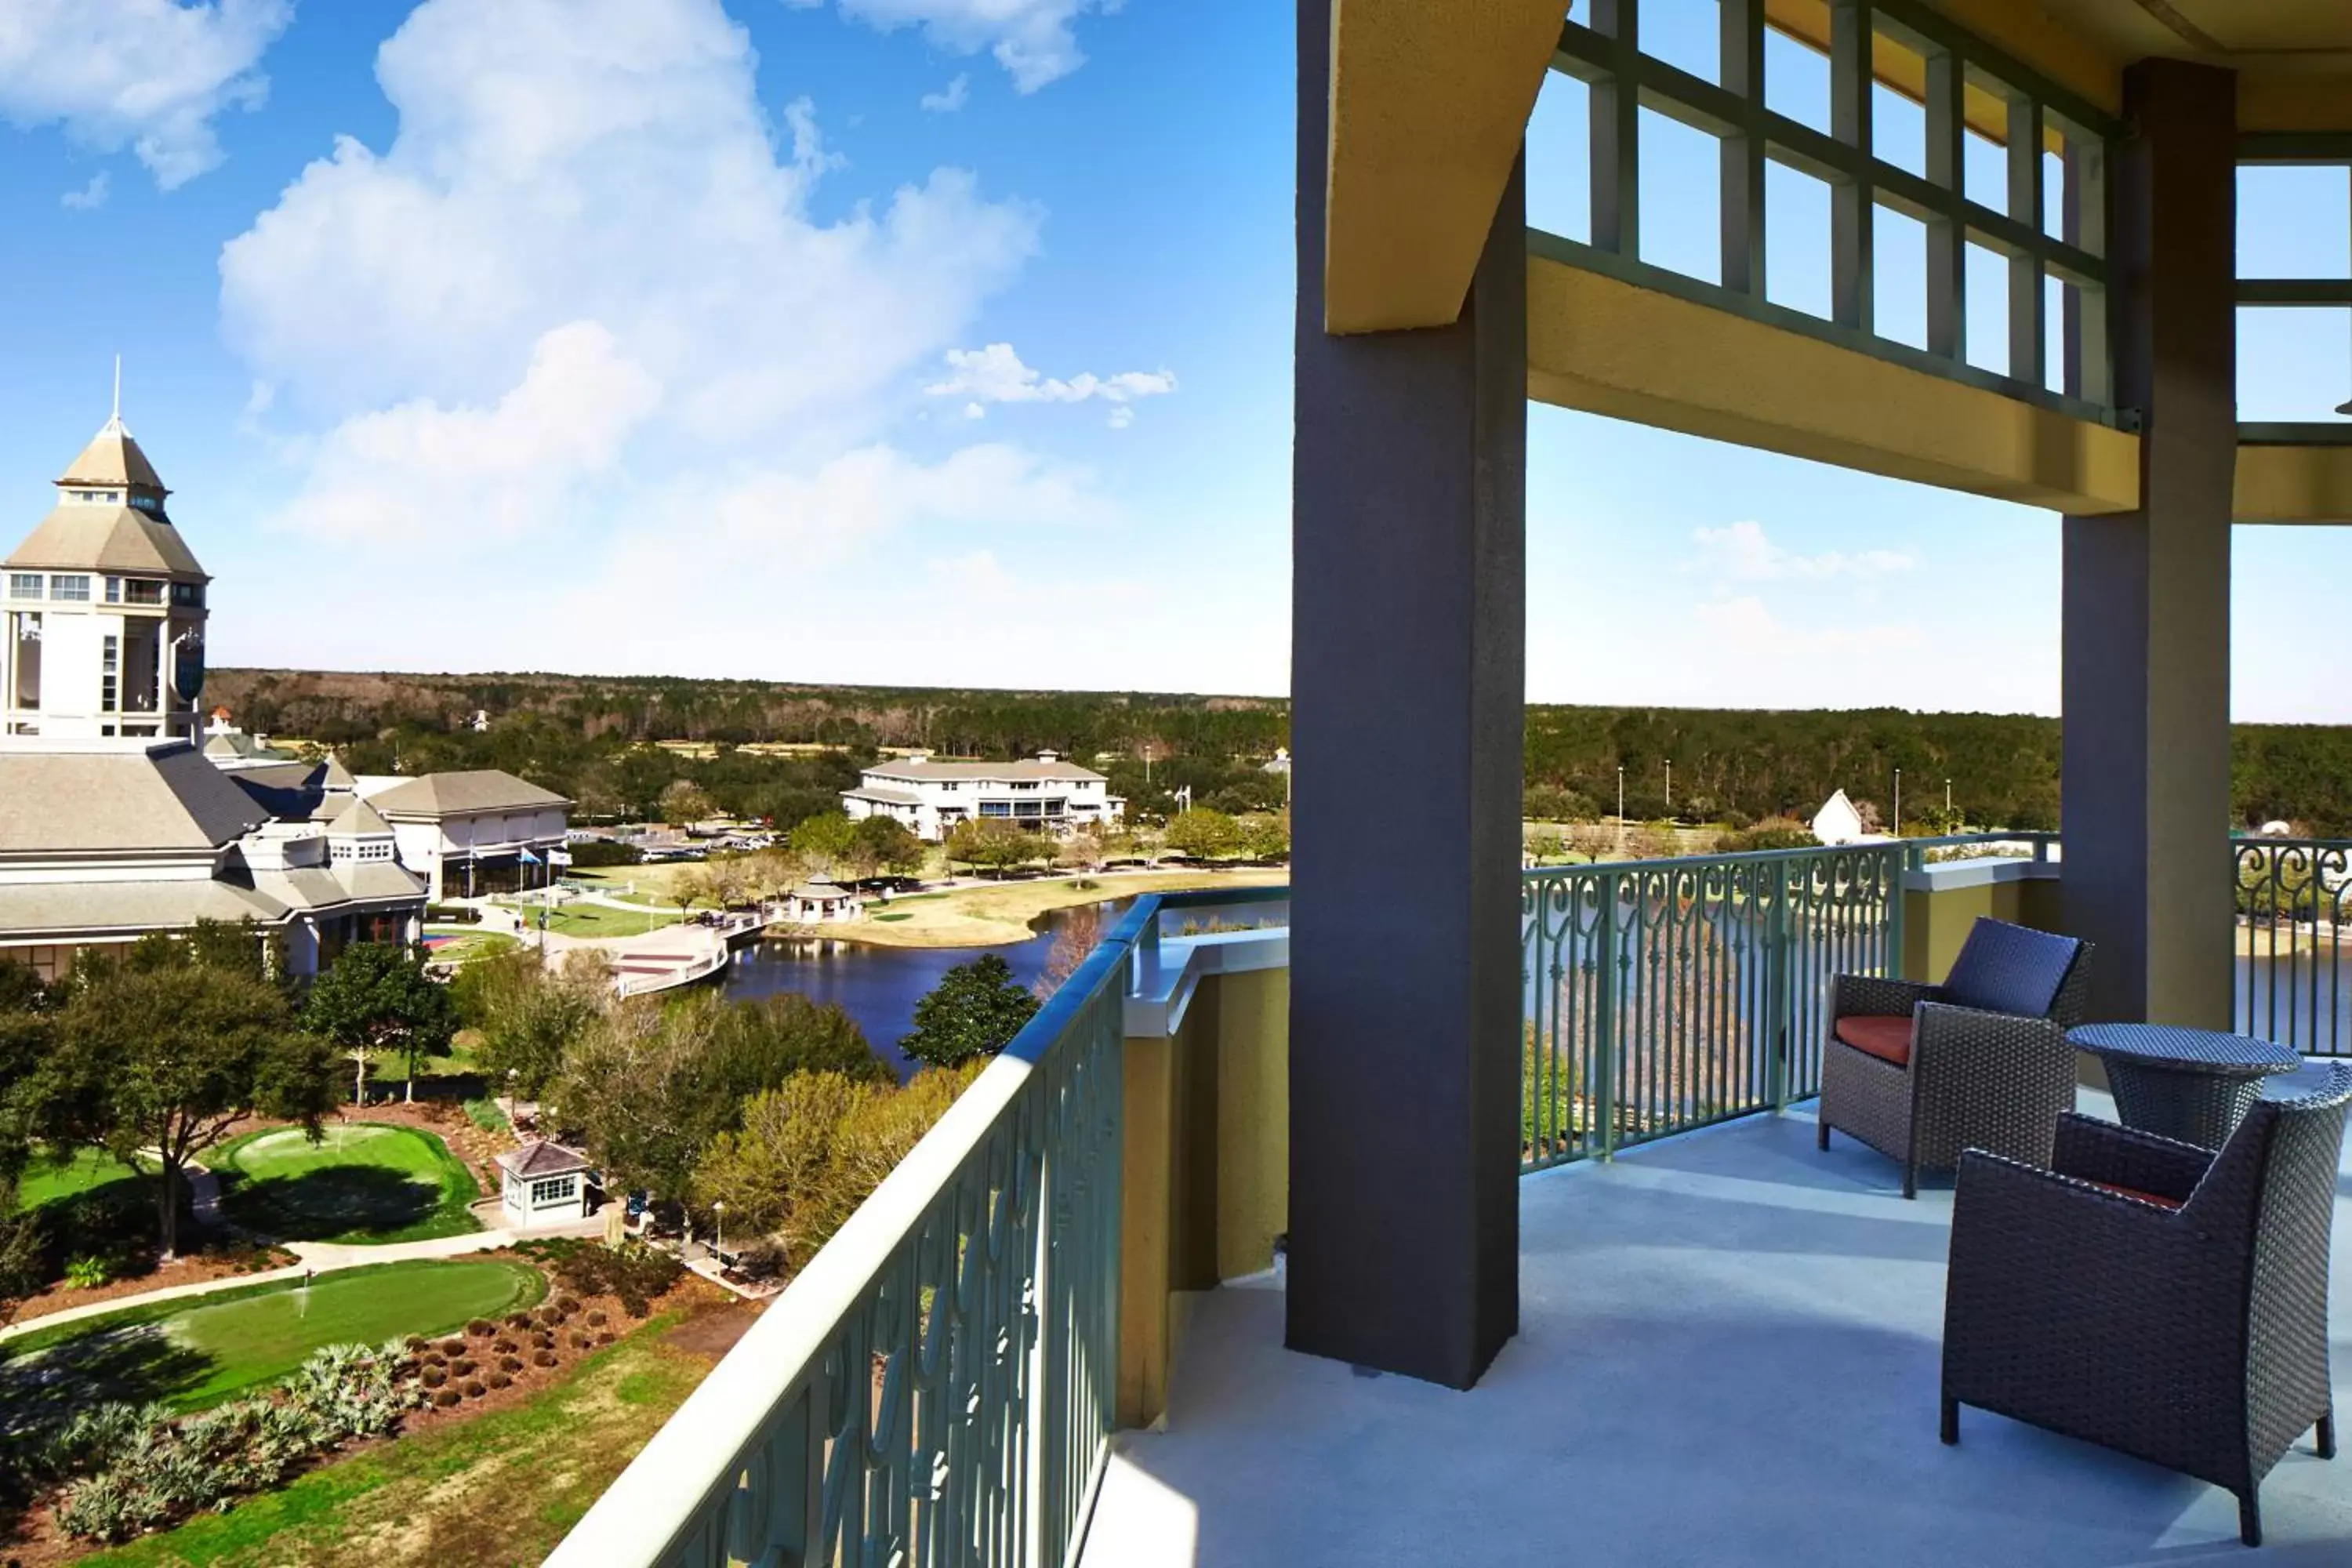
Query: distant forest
[[588, 736]]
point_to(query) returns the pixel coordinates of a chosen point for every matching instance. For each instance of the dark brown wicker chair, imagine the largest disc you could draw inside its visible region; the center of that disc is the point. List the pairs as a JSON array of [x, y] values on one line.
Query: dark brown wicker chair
[[2167, 1300], [1921, 1072]]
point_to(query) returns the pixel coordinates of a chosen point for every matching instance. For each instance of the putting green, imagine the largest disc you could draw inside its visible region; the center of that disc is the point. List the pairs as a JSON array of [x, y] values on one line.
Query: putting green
[[363, 1182], [46, 1180], [209, 1351]]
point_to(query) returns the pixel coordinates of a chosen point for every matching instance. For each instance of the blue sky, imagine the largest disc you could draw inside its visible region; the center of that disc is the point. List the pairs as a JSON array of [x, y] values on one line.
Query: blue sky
[[909, 341]]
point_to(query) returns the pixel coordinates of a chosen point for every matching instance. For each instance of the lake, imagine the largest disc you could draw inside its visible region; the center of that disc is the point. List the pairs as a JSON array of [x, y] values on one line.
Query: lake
[[878, 986]]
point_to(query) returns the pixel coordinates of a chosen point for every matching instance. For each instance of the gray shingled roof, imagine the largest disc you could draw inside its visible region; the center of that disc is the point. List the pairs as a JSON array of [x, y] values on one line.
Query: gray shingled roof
[[1029, 768], [443, 794], [357, 819], [167, 797], [58, 908], [113, 457], [882, 797], [542, 1158]]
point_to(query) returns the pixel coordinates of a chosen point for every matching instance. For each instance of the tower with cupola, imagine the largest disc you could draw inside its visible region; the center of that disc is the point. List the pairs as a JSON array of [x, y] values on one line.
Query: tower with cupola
[[102, 606]]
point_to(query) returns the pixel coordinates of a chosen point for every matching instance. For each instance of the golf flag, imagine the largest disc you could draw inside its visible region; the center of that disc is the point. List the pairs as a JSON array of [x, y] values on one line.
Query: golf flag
[[529, 859]]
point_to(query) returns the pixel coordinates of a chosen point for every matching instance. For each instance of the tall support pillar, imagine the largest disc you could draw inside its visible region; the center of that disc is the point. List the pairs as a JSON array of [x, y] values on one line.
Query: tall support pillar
[[1408, 680], [2147, 599]]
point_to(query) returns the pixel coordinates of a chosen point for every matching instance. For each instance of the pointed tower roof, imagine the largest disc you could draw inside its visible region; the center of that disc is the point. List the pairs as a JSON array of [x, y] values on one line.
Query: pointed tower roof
[[113, 458]]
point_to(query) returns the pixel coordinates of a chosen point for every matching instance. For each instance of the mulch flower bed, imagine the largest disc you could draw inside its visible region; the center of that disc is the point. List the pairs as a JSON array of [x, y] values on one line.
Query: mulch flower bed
[[225, 1259], [528, 1350]]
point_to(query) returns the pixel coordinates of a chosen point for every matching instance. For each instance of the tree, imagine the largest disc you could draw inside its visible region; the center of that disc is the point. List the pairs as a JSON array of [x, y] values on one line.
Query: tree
[[1265, 837], [771, 1174], [892, 846], [1201, 833], [973, 1012], [376, 997], [1077, 931], [528, 1017], [824, 841], [684, 802], [27, 1036], [1081, 850], [990, 844], [1546, 844], [166, 1058]]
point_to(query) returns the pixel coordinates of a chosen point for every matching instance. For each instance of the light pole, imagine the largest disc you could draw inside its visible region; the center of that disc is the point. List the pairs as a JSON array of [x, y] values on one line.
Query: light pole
[[1898, 803], [1947, 803], [719, 1211], [1621, 808], [1670, 789]]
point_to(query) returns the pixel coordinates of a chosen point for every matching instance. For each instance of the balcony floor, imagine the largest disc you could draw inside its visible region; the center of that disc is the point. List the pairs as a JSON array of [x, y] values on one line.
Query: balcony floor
[[1728, 1353]]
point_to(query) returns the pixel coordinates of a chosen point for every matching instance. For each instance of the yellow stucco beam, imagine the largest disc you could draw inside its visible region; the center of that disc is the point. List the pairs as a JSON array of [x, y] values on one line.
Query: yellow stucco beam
[[2293, 484], [1429, 100], [1609, 347]]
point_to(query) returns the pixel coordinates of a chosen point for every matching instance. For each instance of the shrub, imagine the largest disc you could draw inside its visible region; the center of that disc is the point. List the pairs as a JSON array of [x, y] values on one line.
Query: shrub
[[480, 1328], [485, 1114], [433, 1357], [510, 1363], [604, 1337], [518, 1320], [597, 1318], [567, 1305], [500, 1379], [543, 1341], [503, 1345], [414, 1342], [543, 1358], [433, 1375], [547, 1317], [579, 1342], [463, 1367], [88, 1273], [453, 1346], [446, 1398], [474, 1389]]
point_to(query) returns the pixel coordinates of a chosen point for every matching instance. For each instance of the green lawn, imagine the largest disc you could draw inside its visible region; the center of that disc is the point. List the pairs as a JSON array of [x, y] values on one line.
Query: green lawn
[[500, 1490], [363, 1183], [583, 920], [195, 1353], [46, 1180], [467, 943]]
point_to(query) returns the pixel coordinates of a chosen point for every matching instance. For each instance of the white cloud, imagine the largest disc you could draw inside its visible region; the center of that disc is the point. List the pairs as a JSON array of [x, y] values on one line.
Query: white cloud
[[91, 198], [420, 475], [995, 374], [1742, 551], [951, 98], [588, 189], [150, 75], [1031, 39]]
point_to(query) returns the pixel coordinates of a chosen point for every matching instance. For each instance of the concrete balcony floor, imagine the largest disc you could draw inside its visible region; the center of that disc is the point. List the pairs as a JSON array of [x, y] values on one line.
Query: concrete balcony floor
[[1728, 1353]]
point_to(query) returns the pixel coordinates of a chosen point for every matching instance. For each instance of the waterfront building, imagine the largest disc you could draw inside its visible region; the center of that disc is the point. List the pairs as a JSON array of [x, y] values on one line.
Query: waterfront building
[[930, 797], [479, 831]]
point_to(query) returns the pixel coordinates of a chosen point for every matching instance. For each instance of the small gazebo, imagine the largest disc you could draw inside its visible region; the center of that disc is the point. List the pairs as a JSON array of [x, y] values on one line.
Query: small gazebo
[[819, 900]]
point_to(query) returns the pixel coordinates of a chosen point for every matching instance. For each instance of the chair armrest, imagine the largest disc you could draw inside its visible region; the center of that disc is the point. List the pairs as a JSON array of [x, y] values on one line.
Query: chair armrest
[[2009, 1047], [1870, 996], [2089, 1150], [2016, 1222]]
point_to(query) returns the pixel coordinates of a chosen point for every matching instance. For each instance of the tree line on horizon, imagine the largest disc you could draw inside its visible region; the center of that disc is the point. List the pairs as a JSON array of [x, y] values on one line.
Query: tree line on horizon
[[591, 737]]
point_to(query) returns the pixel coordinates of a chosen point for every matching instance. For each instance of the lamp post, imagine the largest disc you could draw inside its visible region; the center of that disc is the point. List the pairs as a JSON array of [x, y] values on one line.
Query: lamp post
[[1898, 803], [1621, 808], [1947, 800], [1670, 789], [719, 1211]]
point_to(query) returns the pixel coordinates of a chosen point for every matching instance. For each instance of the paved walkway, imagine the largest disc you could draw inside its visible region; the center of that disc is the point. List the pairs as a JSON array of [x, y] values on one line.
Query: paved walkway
[[317, 1256]]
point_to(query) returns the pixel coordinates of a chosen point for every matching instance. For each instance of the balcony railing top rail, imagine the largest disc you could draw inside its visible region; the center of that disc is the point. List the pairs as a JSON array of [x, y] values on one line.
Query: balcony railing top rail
[[937, 1384]]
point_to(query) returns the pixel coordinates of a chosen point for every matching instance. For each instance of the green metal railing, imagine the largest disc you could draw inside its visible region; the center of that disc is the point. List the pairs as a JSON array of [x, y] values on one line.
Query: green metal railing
[[1661, 995], [2295, 918]]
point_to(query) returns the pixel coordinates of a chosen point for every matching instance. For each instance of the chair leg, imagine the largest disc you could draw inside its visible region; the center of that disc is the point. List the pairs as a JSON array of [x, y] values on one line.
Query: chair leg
[[2326, 1434], [2250, 1517], [1821, 1133], [1910, 1179], [1950, 1430]]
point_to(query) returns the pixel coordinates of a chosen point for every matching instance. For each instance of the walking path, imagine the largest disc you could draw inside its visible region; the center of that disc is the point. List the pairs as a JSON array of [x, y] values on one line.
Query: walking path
[[316, 1258]]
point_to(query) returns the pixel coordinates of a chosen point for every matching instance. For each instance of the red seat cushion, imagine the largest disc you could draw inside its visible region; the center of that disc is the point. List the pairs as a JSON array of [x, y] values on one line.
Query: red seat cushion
[[1888, 1039], [2135, 1192]]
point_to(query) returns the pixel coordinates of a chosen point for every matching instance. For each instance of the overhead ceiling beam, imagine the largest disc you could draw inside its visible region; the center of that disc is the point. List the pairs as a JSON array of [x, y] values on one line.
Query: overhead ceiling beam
[[1429, 102]]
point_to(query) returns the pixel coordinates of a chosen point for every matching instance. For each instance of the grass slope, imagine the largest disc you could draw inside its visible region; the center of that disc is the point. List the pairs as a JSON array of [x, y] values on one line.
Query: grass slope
[[363, 1182], [46, 1180], [992, 914], [192, 1353], [500, 1490]]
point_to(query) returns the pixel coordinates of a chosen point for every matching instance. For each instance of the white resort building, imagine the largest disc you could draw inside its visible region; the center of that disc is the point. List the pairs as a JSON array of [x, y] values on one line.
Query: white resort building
[[470, 833], [930, 797]]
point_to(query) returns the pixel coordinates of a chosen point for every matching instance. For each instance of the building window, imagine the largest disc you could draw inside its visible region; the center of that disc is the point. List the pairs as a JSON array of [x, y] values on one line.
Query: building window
[[554, 1190], [115, 590], [141, 591], [1056, 806], [109, 674], [144, 503], [191, 595], [24, 585], [951, 786], [996, 808], [69, 586], [1024, 784]]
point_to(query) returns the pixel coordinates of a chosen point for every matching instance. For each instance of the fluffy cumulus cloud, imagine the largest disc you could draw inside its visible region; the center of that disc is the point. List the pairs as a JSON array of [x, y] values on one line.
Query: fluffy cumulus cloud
[[150, 75], [995, 374], [1743, 551], [89, 197], [1034, 40], [951, 98]]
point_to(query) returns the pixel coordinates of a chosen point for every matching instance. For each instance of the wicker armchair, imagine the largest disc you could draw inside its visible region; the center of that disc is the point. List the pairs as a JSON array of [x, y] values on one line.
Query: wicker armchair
[[2167, 1300], [1921, 1072]]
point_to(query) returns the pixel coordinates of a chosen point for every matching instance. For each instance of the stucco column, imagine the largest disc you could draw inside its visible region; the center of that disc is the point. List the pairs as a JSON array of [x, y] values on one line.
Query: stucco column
[[1408, 684], [2147, 599]]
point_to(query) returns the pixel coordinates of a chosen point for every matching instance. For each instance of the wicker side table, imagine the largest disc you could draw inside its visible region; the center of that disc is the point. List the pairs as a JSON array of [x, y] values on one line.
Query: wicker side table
[[2194, 1085]]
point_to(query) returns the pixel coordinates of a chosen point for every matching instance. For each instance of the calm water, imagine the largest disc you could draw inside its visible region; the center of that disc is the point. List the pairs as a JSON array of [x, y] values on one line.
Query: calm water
[[878, 986]]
